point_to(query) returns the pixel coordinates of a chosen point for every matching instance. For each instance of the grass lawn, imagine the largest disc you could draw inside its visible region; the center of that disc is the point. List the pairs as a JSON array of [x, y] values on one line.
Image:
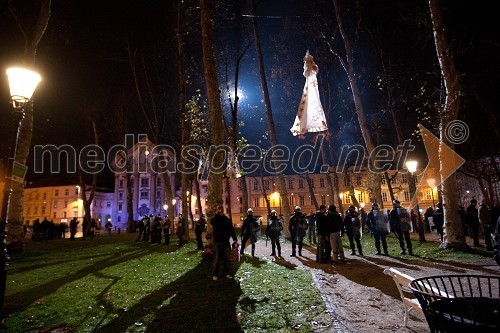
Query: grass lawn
[[113, 284]]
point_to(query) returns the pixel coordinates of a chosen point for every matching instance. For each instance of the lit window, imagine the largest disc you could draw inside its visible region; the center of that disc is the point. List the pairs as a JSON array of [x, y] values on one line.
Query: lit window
[[323, 199], [407, 196], [291, 201], [361, 197], [404, 179], [384, 197]]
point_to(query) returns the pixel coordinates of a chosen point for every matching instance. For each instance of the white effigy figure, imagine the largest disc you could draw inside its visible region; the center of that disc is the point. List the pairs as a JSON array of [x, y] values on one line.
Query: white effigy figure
[[310, 116]]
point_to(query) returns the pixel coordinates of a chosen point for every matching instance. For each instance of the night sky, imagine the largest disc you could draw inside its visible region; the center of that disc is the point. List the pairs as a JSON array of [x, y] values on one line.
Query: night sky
[[82, 59]]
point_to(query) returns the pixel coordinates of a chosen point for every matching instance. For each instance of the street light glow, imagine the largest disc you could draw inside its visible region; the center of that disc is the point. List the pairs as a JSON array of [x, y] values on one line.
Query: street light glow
[[411, 166], [22, 83]]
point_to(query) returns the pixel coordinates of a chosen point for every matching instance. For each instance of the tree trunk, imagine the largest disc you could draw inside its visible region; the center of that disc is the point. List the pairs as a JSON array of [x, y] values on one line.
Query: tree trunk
[[216, 118], [348, 65], [228, 198], [32, 38], [182, 111], [454, 236], [198, 195], [311, 192], [130, 206], [270, 121]]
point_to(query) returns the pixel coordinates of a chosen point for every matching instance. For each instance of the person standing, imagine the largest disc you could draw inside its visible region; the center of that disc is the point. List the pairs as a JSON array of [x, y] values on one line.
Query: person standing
[[472, 221], [438, 219], [323, 235], [273, 231], [311, 230], [157, 227], [248, 231], [223, 230], [181, 229], [297, 228], [335, 226], [85, 226], [199, 227], [73, 225], [400, 224], [377, 224], [140, 227], [353, 230], [147, 227], [485, 221], [166, 229]]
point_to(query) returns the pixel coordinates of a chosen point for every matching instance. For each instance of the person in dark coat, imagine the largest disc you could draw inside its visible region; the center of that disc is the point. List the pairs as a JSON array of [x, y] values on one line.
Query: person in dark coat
[[199, 227], [181, 229], [323, 235], [311, 230], [438, 219], [156, 229], [352, 225], [223, 230], [73, 225], [140, 227], [273, 231], [486, 223], [335, 227], [166, 229], [399, 220], [376, 221], [472, 221], [297, 227], [249, 231]]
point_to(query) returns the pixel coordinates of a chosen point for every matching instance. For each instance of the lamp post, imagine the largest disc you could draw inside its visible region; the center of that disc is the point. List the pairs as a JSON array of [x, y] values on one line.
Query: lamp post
[[412, 168], [22, 84]]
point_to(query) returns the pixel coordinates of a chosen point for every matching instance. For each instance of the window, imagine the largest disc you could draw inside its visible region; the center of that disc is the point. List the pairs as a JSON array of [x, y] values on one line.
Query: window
[[120, 196], [144, 195], [407, 196], [44, 196], [301, 200], [404, 179], [291, 200], [28, 211], [158, 181], [36, 211], [361, 197], [428, 195], [323, 199], [311, 200], [108, 204], [359, 180], [158, 194], [347, 198], [311, 182], [144, 182], [120, 183], [255, 185], [64, 214], [290, 184], [301, 183], [119, 219], [394, 180], [256, 202], [120, 206], [66, 192], [56, 193], [322, 182], [346, 181], [266, 184], [43, 210], [54, 215], [384, 197], [65, 204], [383, 180]]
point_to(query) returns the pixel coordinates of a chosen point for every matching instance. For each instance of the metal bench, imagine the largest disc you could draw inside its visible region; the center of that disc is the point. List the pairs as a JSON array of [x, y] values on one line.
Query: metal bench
[[459, 303]]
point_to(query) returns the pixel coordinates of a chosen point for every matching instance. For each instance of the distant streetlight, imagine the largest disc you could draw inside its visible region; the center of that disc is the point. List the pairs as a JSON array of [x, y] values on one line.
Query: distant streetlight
[[165, 207], [22, 84], [412, 167]]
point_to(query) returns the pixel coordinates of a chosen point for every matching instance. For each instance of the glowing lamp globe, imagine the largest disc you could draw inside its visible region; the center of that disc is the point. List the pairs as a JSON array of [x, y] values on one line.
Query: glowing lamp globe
[[22, 83], [411, 166]]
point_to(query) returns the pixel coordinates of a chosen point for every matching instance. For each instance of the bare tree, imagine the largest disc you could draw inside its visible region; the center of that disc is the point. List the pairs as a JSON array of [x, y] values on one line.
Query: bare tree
[[32, 35], [454, 232]]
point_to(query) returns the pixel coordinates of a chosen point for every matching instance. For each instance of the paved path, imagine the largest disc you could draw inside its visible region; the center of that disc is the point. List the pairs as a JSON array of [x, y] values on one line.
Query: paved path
[[358, 296]]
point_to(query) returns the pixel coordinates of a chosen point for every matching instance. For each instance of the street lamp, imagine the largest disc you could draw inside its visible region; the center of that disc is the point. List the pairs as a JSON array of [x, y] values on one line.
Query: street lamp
[[22, 84], [412, 168]]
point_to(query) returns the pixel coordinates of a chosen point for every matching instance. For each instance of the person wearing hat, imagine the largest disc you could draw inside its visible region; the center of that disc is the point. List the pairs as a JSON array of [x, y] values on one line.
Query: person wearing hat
[[249, 230], [353, 230], [199, 227], [438, 220], [273, 231], [297, 228], [399, 220], [376, 221]]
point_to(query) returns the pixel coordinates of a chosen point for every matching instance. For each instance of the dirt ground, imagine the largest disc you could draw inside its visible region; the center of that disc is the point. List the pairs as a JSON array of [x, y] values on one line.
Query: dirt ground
[[360, 297]]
